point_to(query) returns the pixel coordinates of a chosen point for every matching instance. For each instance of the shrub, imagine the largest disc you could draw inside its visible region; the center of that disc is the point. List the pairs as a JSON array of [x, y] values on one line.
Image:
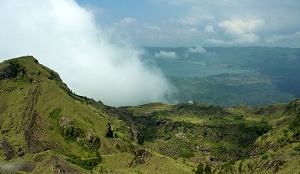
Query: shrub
[[207, 169], [200, 169], [87, 164], [55, 113], [140, 138], [297, 148], [265, 156], [186, 153], [203, 169], [109, 133], [241, 167], [70, 131]]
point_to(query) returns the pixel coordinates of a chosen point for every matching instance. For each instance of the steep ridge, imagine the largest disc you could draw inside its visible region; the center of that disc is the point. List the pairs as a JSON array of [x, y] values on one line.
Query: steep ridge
[[46, 128]]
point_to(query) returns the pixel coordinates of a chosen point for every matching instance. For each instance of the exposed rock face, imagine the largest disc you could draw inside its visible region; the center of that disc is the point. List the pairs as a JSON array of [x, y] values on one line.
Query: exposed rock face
[[20, 152], [61, 166], [87, 139], [68, 129], [8, 149], [10, 71], [141, 155], [64, 121], [91, 142]]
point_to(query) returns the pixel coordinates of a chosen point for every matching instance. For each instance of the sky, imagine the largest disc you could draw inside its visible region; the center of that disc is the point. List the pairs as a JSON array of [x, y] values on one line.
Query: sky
[[200, 22], [91, 60], [95, 45]]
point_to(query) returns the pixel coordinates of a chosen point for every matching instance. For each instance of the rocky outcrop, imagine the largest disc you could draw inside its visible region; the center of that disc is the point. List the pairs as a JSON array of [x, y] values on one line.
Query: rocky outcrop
[[71, 131], [9, 151], [140, 157], [11, 70]]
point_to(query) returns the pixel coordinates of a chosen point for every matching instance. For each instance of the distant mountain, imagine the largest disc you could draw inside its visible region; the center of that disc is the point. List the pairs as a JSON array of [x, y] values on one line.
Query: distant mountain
[[46, 128]]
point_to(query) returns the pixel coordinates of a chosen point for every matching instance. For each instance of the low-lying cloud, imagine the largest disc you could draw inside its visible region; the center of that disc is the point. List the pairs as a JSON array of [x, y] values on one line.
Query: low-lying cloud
[[65, 37], [197, 49], [166, 55]]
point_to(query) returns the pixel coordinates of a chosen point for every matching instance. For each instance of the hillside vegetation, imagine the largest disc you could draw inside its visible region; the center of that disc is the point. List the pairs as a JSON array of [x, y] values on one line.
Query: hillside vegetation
[[46, 128]]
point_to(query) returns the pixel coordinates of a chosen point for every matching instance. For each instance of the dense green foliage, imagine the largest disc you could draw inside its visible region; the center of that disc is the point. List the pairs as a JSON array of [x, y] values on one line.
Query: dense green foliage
[[88, 164]]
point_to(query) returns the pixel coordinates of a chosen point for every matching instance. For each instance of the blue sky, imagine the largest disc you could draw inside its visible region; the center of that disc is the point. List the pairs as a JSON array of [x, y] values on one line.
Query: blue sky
[[201, 22]]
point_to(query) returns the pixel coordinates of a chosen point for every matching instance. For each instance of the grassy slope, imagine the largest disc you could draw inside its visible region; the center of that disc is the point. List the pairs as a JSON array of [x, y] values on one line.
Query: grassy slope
[[35, 104], [31, 108]]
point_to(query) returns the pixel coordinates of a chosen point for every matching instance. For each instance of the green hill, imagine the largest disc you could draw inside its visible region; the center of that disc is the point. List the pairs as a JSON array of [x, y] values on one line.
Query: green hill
[[46, 128]]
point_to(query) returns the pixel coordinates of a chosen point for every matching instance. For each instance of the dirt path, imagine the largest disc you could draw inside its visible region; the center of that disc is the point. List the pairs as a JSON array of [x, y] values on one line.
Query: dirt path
[[30, 116]]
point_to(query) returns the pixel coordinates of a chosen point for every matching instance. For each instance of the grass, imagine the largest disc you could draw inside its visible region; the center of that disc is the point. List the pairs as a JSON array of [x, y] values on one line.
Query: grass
[[87, 164], [157, 164], [179, 137]]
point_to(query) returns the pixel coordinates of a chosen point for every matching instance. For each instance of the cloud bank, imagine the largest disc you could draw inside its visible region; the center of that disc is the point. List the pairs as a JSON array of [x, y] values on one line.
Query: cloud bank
[[166, 55], [65, 37], [242, 30]]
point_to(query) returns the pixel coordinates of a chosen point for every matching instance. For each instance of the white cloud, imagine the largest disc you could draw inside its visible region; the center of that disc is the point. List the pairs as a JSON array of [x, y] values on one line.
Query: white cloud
[[195, 19], [197, 49], [196, 16], [241, 39], [196, 2], [239, 27], [216, 41], [166, 55], [209, 29], [125, 22], [188, 22], [152, 27], [284, 37], [243, 31], [128, 20], [65, 37], [175, 2], [247, 38]]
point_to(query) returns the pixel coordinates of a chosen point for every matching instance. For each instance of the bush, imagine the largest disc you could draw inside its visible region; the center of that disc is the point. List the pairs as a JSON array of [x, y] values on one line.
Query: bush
[[140, 138], [297, 148], [186, 153], [200, 169], [70, 131], [203, 169], [262, 128], [207, 169], [109, 133], [240, 167], [91, 145], [265, 156], [55, 113], [87, 164]]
